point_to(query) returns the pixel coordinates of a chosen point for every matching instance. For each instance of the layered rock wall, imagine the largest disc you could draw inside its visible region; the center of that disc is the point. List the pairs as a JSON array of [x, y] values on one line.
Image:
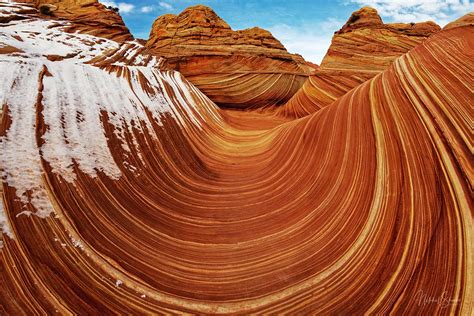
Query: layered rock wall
[[248, 68], [362, 48], [88, 16]]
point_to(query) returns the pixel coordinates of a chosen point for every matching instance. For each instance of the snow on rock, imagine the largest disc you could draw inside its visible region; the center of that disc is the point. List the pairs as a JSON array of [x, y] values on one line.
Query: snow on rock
[[39, 38], [8, 7], [93, 82], [4, 224], [47, 39], [77, 243], [20, 160], [72, 117], [77, 88]]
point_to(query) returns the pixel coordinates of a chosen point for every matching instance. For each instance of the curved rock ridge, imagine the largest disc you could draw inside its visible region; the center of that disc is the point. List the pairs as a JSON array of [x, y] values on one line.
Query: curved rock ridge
[[88, 16], [321, 89], [25, 35], [198, 30], [465, 20], [362, 48], [365, 43], [31, 46], [127, 191], [362, 18], [248, 68]]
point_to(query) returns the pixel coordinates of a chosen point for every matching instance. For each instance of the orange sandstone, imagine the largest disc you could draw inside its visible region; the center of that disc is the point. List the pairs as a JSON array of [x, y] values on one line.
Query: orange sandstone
[[248, 68]]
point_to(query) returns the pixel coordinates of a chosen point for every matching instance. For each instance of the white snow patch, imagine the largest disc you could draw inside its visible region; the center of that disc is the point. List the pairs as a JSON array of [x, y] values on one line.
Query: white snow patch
[[26, 213], [75, 130], [76, 243], [75, 95], [39, 38], [181, 96], [130, 167], [4, 224], [20, 160], [8, 7], [72, 113]]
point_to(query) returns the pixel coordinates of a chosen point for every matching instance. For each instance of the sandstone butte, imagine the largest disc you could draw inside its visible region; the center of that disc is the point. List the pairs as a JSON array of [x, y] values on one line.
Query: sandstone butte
[[126, 190], [88, 16], [241, 69], [361, 49]]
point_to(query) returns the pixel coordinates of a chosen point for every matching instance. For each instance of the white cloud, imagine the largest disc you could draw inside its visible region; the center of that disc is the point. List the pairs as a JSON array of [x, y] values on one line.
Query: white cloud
[[311, 41], [166, 6], [161, 5], [146, 9], [440, 11], [123, 6], [109, 3]]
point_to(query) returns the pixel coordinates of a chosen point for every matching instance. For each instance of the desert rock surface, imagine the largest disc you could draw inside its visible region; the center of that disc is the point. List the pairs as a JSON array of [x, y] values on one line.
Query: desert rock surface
[[127, 190]]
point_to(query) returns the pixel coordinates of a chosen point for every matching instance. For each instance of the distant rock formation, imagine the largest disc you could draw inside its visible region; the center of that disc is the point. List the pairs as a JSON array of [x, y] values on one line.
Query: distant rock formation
[[465, 20], [366, 43], [362, 48], [234, 68]]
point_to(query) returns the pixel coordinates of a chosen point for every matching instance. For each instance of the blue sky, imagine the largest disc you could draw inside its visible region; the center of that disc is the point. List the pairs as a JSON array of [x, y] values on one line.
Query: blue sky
[[303, 26]]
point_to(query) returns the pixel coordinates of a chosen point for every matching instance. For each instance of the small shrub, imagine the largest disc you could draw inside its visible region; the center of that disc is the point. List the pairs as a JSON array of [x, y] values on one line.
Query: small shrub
[[46, 10], [412, 23], [353, 18], [115, 9]]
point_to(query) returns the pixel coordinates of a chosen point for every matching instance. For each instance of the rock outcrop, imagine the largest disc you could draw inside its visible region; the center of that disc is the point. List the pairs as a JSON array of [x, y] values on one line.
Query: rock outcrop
[[88, 16], [248, 68], [466, 20], [366, 43], [125, 190], [362, 48]]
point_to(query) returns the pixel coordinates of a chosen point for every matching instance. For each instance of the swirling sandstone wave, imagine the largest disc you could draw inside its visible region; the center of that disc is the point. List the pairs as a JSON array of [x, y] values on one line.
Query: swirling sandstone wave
[[239, 69], [160, 203], [87, 16], [362, 48]]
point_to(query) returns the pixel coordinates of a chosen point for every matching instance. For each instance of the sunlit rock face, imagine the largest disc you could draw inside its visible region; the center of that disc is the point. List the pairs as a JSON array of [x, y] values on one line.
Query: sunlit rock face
[[126, 190], [362, 48], [88, 16], [242, 69], [465, 20]]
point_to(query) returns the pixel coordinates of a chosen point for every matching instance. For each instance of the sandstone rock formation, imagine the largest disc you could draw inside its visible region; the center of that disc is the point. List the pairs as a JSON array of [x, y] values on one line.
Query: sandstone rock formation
[[88, 16], [127, 191], [465, 20], [362, 48], [248, 68], [365, 43]]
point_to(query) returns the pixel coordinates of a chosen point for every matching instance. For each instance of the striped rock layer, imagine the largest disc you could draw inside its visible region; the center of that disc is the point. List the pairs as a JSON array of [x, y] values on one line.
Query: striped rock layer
[[87, 16], [362, 48], [127, 191], [239, 69]]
